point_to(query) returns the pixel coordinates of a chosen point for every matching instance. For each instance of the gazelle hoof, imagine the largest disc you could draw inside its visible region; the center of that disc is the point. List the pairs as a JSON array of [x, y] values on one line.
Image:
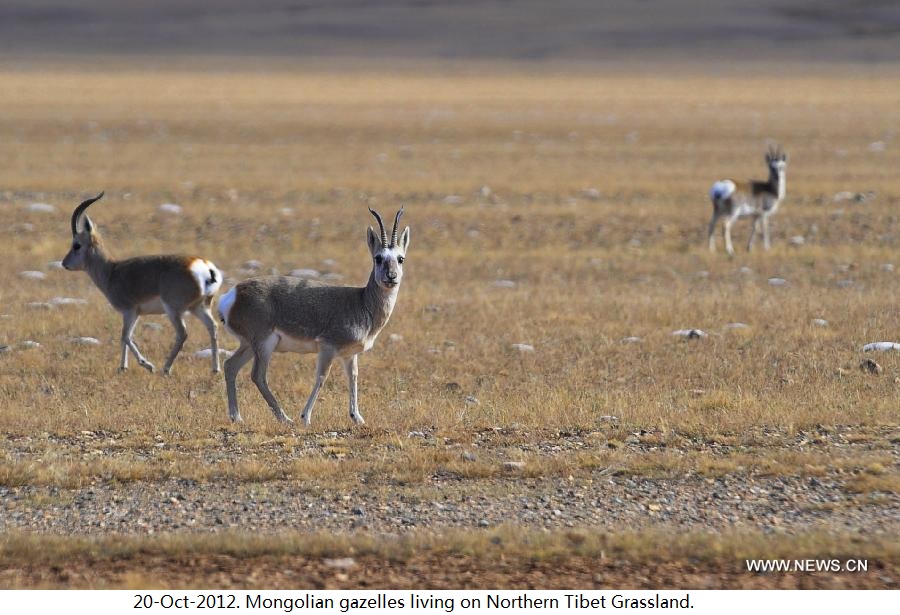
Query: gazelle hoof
[[121, 370], [148, 366]]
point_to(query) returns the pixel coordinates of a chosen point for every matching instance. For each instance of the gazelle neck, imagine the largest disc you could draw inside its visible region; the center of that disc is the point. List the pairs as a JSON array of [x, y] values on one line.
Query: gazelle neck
[[777, 182], [378, 302], [98, 265]]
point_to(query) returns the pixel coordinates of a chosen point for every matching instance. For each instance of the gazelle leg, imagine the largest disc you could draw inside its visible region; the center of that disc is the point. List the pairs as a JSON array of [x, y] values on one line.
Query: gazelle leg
[[233, 365], [753, 228], [711, 232], [726, 231], [351, 368], [765, 229], [177, 320], [323, 364], [129, 320], [203, 315], [263, 354]]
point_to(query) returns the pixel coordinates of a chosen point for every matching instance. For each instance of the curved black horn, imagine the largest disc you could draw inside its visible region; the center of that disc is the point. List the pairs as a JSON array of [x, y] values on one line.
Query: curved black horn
[[384, 242], [394, 232], [80, 210]]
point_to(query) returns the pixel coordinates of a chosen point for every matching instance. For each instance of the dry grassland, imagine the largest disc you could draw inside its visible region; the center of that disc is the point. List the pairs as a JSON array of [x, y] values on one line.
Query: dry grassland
[[587, 192]]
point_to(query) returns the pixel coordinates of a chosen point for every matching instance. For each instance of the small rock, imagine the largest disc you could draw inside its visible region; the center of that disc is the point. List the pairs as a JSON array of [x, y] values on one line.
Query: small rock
[[690, 334], [86, 341], [41, 208], [745, 270], [395, 337], [340, 563], [153, 326], [305, 273], [453, 199], [844, 283], [33, 275], [4, 348], [608, 418], [286, 211], [39, 305], [870, 367], [503, 284], [881, 346], [471, 400], [797, 240], [877, 146], [777, 282], [170, 208], [888, 267], [453, 387], [332, 277], [206, 353], [359, 511], [252, 265], [67, 301], [468, 456], [737, 325], [820, 322], [29, 344], [591, 193], [485, 192], [416, 434], [484, 523], [55, 265], [513, 465], [522, 347], [632, 339]]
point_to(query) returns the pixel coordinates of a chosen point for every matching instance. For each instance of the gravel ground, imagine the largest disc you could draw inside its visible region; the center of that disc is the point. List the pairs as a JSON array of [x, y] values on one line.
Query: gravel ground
[[603, 502]]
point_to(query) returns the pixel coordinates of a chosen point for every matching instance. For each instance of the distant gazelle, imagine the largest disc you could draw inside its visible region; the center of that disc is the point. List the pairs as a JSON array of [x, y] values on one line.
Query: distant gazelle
[[287, 314], [756, 199], [170, 285]]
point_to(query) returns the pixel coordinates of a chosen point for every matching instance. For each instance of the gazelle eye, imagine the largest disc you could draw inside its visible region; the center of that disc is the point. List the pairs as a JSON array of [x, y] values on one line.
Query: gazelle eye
[[76, 246], [378, 259], [400, 259]]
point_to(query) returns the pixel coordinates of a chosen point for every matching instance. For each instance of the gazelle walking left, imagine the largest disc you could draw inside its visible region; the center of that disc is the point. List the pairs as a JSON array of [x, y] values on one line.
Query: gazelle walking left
[[755, 198], [168, 284]]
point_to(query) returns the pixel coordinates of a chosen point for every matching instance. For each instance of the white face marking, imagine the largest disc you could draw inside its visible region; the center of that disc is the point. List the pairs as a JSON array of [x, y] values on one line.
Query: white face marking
[[389, 267]]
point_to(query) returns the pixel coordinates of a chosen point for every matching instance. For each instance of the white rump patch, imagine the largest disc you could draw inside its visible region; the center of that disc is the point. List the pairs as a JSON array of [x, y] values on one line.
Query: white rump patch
[[226, 301], [208, 277], [722, 189]]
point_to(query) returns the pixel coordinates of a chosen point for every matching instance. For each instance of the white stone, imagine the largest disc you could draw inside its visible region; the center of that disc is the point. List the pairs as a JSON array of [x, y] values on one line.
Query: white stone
[[503, 284], [67, 301], [29, 344], [887, 267], [737, 325], [591, 193], [453, 199], [820, 322], [395, 337], [798, 240], [39, 305], [777, 282], [41, 208], [33, 275], [206, 353], [881, 346], [632, 339], [86, 341], [305, 273], [522, 347], [170, 208]]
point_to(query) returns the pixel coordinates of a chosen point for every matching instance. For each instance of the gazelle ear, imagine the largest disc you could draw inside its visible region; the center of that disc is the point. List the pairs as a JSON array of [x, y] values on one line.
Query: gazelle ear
[[404, 240], [84, 224], [373, 241]]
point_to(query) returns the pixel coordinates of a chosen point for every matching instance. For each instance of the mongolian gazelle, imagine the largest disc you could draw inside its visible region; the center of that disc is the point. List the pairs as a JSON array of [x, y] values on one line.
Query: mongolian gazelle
[[166, 284], [286, 314], [756, 199]]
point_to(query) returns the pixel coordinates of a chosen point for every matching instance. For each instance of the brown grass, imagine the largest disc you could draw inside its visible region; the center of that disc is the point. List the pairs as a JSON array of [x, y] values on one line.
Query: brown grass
[[235, 147]]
